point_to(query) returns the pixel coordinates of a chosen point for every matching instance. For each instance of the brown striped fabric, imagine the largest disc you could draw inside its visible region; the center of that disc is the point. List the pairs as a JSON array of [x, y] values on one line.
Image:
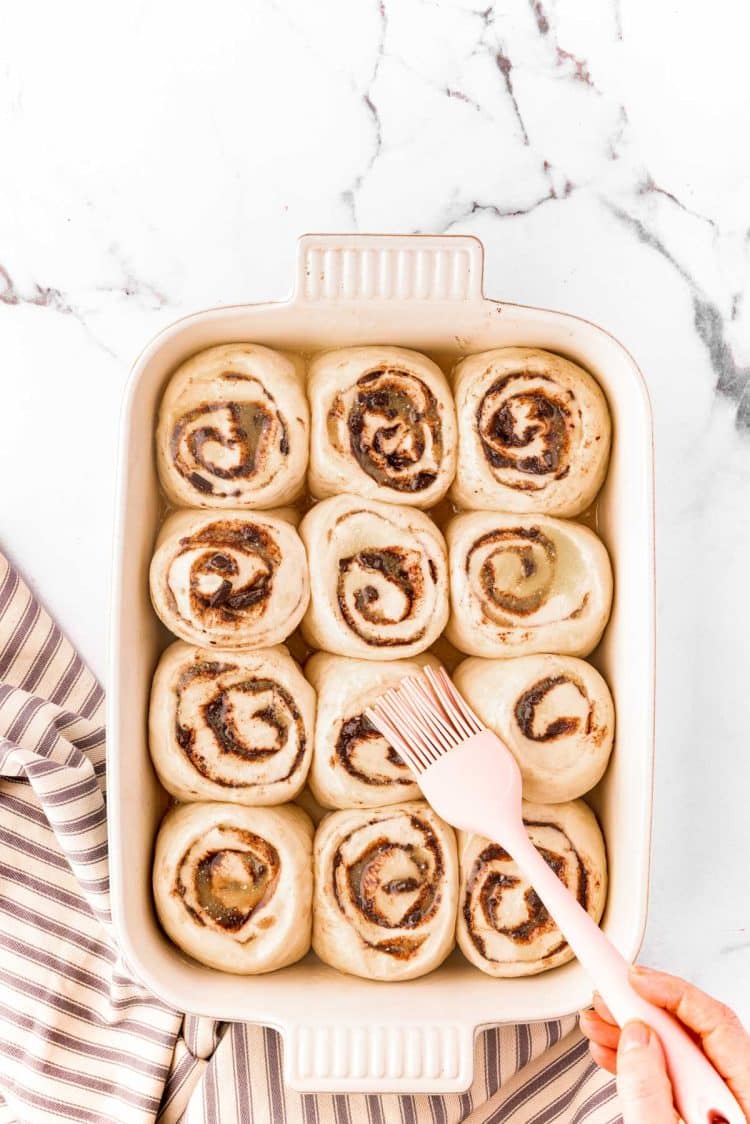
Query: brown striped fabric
[[81, 1040]]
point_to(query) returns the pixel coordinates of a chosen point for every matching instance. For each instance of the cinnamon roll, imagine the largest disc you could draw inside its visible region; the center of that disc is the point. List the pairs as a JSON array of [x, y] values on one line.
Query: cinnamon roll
[[231, 580], [383, 426], [503, 928], [554, 713], [231, 725], [309, 804], [233, 885], [379, 579], [385, 891], [526, 583], [353, 765], [533, 432], [233, 429]]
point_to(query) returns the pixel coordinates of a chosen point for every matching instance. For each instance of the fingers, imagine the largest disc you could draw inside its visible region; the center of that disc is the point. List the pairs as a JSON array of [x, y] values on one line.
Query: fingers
[[603, 1057], [724, 1039], [603, 1010], [702, 1013], [637, 1056], [603, 1038], [642, 1082], [599, 1031]]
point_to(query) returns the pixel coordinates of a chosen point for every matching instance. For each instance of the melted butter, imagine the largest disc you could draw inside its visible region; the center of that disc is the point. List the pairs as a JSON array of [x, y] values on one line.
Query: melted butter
[[230, 885]]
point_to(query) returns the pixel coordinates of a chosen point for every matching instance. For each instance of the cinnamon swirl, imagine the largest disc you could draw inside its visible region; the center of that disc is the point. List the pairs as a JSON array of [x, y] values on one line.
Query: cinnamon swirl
[[233, 429], [379, 579], [383, 426], [233, 885], [554, 713], [503, 928], [385, 896], [526, 583], [231, 725], [353, 765], [230, 580], [533, 432]]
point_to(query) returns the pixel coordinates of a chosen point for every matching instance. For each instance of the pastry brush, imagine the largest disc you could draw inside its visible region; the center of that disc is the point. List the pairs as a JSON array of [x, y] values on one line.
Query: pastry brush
[[472, 780]]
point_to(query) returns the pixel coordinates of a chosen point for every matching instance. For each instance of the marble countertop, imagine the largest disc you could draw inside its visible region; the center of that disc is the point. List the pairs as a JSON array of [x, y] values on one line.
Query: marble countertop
[[165, 160]]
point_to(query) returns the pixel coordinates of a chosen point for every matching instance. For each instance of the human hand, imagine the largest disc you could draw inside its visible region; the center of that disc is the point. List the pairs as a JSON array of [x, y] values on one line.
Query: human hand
[[636, 1056]]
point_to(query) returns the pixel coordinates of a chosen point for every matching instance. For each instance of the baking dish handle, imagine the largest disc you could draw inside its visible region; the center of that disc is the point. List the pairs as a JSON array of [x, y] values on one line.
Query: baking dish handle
[[374, 1057], [414, 267]]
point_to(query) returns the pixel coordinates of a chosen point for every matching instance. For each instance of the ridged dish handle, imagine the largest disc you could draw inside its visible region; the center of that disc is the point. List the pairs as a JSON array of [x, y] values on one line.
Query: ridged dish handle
[[362, 267], [372, 1057]]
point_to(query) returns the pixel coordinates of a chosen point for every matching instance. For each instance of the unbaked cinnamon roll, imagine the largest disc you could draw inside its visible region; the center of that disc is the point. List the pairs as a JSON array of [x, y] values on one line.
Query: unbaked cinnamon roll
[[307, 802], [554, 713], [232, 580], [526, 583], [233, 885], [383, 425], [503, 928], [379, 579], [385, 896], [534, 432], [353, 765], [233, 429], [231, 725]]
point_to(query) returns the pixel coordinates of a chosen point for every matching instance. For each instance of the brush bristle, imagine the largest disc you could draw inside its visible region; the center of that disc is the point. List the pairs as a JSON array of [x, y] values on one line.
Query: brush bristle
[[424, 717]]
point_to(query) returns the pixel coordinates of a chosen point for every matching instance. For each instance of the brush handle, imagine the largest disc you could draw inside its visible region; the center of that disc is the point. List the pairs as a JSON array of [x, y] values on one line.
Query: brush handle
[[700, 1094]]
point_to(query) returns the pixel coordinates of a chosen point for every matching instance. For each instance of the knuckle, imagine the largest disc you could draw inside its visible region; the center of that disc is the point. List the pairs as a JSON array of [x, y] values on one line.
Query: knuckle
[[694, 1002], [729, 1017], [728, 1036]]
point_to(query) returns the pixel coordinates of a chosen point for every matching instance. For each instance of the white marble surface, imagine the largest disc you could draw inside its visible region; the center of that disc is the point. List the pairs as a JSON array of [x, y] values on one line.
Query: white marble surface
[[159, 158]]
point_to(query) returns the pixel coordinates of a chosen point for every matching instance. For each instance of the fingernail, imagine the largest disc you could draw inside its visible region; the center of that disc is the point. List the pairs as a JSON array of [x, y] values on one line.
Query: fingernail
[[642, 970], [634, 1035]]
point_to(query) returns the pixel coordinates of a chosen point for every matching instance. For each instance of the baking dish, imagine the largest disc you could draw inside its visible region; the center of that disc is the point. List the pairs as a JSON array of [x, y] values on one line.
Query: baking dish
[[342, 1033]]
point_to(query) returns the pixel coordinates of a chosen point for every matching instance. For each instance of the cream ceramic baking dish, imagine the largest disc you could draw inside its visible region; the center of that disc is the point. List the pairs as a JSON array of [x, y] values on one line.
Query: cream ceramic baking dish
[[342, 1033]]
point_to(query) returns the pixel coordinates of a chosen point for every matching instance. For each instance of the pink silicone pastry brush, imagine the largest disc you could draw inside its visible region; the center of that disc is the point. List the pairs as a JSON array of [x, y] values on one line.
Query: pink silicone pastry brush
[[473, 781]]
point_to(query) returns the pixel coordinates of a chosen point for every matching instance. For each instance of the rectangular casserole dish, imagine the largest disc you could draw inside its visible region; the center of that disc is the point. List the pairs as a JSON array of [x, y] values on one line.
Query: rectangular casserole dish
[[341, 1033]]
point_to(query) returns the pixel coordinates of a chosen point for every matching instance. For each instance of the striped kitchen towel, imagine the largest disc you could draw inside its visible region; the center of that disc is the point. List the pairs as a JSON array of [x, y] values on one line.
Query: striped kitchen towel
[[80, 1039]]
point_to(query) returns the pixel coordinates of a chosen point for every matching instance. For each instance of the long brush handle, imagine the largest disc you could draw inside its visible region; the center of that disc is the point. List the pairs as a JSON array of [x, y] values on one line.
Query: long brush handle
[[701, 1096]]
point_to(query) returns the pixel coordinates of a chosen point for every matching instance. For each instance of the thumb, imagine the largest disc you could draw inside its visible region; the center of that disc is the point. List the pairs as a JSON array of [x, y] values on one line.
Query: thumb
[[642, 1081]]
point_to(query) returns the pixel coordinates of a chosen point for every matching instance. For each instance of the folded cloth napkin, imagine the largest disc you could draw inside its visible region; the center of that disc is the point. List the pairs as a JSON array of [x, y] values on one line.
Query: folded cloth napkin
[[81, 1039]]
